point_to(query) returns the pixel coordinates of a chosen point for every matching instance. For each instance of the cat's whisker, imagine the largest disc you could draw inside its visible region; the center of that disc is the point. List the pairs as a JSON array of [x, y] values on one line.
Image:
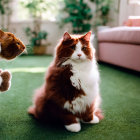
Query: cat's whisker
[[63, 59], [28, 46], [25, 51]]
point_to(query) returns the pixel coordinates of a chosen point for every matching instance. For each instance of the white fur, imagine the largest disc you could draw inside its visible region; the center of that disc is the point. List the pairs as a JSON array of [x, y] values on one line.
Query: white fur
[[85, 76], [97, 103], [9, 79], [75, 127], [77, 51], [95, 120], [0, 80], [75, 82]]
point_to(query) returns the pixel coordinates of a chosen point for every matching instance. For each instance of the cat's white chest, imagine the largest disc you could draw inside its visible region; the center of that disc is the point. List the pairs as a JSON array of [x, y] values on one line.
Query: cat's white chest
[[85, 77]]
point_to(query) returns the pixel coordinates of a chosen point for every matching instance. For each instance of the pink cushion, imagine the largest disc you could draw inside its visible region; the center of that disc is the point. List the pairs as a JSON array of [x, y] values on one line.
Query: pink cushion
[[125, 55], [120, 35], [132, 22]]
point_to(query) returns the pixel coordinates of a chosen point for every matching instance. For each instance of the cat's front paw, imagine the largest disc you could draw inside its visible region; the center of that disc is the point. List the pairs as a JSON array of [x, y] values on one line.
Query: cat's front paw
[[75, 127], [95, 120], [5, 80]]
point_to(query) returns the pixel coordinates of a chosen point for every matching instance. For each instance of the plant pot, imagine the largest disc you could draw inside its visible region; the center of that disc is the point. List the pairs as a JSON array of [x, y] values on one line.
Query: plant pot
[[39, 50]]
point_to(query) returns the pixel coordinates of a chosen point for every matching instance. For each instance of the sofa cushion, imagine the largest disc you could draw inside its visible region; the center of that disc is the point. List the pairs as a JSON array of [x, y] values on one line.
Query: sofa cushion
[[124, 55], [120, 34], [132, 22]]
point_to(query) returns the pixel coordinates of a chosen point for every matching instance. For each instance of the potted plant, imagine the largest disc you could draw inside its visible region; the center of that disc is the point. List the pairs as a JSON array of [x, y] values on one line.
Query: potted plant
[[101, 12], [78, 14], [100, 17], [35, 39], [35, 35], [5, 14]]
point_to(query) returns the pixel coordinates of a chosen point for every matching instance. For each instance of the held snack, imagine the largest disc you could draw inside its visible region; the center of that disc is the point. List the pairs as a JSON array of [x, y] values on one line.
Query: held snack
[[5, 80]]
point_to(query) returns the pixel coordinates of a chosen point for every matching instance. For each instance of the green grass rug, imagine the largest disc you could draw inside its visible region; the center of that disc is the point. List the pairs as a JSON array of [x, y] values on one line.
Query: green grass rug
[[121, 105]]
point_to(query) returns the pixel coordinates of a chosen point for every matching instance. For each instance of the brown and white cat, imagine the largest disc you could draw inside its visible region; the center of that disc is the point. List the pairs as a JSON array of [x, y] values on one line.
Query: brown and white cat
[[10, 47], [70, 93]]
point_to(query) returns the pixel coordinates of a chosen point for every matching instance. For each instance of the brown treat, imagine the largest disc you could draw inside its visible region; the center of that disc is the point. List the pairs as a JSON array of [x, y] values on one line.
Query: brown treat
[[6, 80]]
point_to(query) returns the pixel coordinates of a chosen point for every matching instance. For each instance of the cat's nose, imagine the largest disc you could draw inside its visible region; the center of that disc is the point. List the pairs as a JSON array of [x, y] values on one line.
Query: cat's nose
[[23, 47], [79, 55]]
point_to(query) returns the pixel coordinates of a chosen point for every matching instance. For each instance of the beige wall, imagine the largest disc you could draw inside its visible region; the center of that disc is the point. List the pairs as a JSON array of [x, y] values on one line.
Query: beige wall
[[121, 10], [55, 32], [114, 14], [127, 10], [53, 29]]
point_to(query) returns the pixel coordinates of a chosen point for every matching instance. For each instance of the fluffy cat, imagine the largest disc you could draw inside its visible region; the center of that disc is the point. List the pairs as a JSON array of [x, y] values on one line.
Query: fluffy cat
[[10, 47], [70, 93]]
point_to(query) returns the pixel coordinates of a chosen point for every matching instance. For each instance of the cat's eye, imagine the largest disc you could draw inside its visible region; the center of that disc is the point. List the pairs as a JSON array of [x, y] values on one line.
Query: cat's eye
[[84, 48], [73, 47]]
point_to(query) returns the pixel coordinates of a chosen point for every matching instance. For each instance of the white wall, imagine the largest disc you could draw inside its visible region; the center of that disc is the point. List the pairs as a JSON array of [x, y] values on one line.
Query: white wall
[[55, 32], [53, 29], [127, 10]]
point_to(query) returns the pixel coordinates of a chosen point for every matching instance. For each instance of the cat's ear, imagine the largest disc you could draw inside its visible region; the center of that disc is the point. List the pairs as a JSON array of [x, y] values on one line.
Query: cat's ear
[[87, 36], [66, 36], [1, 34]]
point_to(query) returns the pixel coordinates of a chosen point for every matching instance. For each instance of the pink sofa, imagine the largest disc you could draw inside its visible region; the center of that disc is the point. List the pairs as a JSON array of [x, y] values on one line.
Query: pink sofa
[[120, 46]]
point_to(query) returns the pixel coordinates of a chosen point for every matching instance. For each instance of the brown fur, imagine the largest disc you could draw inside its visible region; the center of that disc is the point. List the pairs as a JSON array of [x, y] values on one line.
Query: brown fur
[[10, 45], [57, 89], [6, 76], [10, 48]]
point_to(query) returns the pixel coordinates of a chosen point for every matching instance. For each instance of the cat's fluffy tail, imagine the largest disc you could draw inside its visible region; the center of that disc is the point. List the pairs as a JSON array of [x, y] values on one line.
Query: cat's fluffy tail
[[37, 100], [99, 114], [31, 110], [97, 110]]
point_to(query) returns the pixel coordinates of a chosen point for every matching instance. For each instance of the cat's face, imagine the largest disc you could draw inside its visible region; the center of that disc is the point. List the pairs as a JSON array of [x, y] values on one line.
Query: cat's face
[[76, 48], [10, 45]]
